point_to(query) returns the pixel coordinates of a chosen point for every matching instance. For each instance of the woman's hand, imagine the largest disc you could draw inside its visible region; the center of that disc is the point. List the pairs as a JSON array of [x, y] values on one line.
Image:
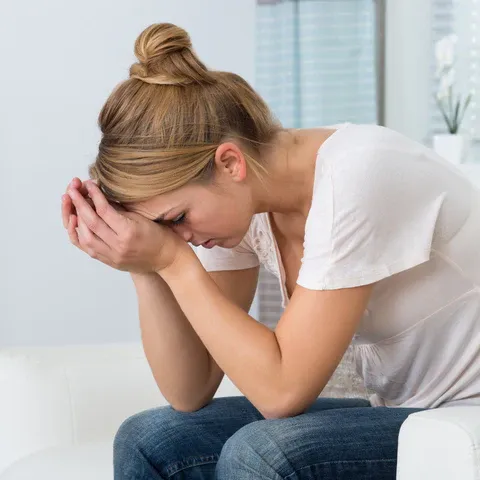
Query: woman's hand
[[123, 240], [68, 210]]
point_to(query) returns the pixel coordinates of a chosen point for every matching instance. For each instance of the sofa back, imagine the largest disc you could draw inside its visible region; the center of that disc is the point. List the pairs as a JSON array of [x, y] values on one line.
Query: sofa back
[[53, 396]]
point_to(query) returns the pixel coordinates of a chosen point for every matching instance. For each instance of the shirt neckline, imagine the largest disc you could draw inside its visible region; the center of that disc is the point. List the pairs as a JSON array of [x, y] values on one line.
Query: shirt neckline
[[276, 251], [278, 262]]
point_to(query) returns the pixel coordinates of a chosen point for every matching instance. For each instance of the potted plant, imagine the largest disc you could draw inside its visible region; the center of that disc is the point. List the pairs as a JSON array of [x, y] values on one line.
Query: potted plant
[[453, 145]]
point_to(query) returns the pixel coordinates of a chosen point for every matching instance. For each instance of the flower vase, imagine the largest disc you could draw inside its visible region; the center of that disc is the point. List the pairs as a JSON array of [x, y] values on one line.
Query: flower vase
[[454, 147]]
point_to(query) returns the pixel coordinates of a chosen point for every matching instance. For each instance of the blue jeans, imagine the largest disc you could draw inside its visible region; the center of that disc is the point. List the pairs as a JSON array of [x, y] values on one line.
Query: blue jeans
[[229, 439]]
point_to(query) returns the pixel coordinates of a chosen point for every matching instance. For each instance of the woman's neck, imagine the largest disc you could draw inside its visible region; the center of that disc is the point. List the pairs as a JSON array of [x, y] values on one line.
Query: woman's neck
[[291, 162]]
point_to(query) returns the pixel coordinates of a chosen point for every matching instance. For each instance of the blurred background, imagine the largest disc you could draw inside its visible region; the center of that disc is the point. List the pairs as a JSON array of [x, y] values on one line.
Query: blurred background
[[316, 62]]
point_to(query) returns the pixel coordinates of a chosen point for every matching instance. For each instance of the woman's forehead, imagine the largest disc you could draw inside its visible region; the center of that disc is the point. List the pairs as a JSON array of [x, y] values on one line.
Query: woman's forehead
[[181, 198]]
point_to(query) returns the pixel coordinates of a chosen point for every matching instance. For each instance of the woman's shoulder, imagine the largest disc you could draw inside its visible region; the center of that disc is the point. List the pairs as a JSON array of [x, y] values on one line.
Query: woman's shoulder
[[360, 157], [353, 139]]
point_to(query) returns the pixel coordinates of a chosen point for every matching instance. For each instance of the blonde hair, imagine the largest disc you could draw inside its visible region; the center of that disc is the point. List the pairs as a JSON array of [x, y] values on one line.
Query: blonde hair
[[162, 126]]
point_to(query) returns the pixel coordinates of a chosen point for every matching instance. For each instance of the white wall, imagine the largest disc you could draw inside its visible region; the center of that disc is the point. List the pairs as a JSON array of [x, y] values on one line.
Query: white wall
[[409, 69], [60, 60], [408, 66]]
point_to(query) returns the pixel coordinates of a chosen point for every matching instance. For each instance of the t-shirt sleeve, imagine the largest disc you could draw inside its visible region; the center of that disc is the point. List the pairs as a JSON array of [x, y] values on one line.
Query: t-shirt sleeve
[[373, 214], [217, 258]]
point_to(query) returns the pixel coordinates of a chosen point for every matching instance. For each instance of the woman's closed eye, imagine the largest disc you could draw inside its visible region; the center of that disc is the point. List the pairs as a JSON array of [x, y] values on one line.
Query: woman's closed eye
[[180, 219], [175, 221]]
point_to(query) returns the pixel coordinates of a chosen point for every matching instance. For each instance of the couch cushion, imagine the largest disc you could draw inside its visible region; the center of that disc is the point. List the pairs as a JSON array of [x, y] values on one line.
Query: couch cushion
[[92, 461], [69, 395]]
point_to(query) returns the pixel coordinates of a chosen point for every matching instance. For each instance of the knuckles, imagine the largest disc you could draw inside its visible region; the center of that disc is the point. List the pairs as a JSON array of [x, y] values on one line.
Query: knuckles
[[87, 240], [126, 242], [92, 253], [93, 224], [129, 235], [101, 209]]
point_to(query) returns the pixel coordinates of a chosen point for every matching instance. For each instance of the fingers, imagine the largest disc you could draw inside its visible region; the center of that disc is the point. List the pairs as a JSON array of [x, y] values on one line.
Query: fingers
[[92, 219], [66, 210], [108, 213], [67, 206], [78, 232], [72, 233], [91, 243], [79, 185], [78, 241]]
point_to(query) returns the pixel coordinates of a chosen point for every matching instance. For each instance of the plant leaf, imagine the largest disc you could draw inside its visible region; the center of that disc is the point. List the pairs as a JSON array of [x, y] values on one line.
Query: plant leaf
[[445, 117], [455, 117], [450, 94], [467, 102]]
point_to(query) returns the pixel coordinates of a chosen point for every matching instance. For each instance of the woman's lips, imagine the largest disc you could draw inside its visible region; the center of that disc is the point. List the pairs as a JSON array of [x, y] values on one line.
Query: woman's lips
[[209, 244]]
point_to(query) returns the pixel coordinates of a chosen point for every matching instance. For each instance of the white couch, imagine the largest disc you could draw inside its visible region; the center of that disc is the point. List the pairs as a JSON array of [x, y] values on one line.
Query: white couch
[[60, 408]]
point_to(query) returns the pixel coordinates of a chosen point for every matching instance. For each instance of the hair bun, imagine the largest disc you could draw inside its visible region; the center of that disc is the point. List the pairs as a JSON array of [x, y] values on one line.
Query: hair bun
[[166, 56]]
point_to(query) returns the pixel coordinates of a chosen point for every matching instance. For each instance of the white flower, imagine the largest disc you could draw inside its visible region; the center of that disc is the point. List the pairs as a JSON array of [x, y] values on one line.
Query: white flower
[[445, 52], [446, 82]]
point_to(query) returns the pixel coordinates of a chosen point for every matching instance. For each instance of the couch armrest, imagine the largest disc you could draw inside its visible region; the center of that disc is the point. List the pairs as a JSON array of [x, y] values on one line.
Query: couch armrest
[[441, 444]]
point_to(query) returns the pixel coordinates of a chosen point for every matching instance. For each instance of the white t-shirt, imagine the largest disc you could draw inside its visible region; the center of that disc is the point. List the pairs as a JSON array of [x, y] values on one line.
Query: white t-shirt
[[387, 209]]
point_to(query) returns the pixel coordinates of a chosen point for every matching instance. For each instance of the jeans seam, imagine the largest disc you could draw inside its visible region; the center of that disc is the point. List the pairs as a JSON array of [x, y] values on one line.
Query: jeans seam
[[336, 462], [196, 462], [147, 461]]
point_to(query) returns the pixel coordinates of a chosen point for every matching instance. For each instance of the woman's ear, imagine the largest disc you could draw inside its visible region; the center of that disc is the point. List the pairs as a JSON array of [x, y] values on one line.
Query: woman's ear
[[229, 160]]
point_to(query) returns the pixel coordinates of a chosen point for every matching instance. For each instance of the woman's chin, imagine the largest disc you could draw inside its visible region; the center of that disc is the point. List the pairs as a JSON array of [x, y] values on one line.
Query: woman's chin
[[228, 242]]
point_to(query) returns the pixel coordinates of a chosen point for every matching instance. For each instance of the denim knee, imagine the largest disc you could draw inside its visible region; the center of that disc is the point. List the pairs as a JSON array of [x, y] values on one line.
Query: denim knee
[[246, 454], [129, 434], [346, 443], [133, 448], [161, 442]]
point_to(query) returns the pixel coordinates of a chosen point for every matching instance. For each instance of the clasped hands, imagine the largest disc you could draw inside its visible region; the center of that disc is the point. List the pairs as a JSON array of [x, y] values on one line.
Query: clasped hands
[[123, 240]]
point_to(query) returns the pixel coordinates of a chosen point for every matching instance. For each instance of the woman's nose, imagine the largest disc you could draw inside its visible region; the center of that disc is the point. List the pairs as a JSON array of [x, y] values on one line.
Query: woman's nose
[[183, 232]]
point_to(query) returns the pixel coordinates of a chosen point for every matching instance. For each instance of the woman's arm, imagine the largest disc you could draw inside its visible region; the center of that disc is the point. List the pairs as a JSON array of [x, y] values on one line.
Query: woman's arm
[[185, 372], [280, 372], [178, 359]]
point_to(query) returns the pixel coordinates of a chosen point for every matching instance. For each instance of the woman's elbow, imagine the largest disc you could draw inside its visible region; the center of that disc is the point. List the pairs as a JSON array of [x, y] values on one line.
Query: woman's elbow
[[284, 409]]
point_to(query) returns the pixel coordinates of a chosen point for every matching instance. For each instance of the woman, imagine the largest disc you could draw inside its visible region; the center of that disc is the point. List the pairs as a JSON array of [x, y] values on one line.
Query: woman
[[374, 238]]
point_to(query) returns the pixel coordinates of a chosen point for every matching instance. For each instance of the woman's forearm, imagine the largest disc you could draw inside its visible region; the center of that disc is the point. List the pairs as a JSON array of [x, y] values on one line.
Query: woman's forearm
[[180, 363], [247, 351]]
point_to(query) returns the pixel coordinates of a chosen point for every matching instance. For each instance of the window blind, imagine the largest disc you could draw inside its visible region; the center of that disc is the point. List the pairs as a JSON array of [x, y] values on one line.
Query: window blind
[[316, 64]]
